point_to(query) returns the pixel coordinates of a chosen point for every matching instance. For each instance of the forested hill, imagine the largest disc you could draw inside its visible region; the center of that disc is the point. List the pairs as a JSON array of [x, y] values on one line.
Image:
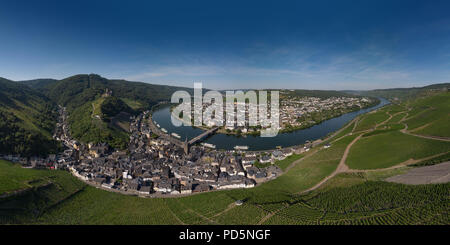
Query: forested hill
[[76, 90], [39, 83], [404, 93], [99, 107], [27, 120]]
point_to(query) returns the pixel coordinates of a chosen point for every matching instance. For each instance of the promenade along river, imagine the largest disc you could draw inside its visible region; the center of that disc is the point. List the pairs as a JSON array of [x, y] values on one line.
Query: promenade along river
[[162, 117]]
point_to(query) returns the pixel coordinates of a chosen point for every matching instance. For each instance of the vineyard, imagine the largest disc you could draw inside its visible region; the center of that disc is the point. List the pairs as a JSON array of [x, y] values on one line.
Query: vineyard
[[38, 190], [370, 202]]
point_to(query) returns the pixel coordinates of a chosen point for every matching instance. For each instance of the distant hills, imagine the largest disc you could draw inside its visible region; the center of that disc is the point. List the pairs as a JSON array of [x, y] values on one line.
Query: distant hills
[[401, 93], [323, 94]]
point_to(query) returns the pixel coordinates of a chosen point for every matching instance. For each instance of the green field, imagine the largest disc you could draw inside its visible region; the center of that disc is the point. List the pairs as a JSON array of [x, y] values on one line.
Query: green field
[[13, 177], [348, 128], [370, 120], [430, 115], [283, 164], [135, 105], [386, 146], [385, 128], [397, 118], [36, 191], [93, 206], [388, 149]]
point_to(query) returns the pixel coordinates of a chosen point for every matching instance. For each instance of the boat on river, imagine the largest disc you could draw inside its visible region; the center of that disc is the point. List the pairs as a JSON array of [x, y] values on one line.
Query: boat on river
[[241, 147], [209, 145], [176, 135]]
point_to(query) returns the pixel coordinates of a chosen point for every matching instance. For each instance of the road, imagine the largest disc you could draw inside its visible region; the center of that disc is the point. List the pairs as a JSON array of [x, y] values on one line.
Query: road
[[439, 173], [341, 168]]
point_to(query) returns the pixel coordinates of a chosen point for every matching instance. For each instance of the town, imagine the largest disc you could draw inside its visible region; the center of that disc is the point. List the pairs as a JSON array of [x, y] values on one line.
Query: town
[[155, 165], [295, 112]]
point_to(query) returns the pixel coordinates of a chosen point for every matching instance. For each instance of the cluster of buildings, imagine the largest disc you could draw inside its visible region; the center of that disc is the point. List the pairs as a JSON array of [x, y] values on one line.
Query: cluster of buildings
[[154, 165], [293, 109]]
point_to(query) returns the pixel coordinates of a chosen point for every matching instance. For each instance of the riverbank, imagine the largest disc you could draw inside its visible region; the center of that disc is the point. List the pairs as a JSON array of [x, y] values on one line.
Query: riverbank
[[162, 116], [255, 131]]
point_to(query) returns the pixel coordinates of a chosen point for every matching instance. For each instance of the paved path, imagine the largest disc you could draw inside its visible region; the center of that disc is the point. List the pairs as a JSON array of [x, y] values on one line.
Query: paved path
[[439, 173]]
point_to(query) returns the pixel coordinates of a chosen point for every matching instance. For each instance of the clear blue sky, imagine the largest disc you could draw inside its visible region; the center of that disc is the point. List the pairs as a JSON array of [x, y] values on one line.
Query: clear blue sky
[[231, 44]]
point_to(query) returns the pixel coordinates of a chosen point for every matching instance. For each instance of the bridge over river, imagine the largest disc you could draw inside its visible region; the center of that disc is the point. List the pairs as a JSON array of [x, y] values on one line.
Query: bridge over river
[[185, 145], [199, 138]]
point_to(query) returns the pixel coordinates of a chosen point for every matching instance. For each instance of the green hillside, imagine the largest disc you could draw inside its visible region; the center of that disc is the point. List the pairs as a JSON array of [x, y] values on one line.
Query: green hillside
[[82, 95], [430, 115], [388, 149], [27, 120], [27, 193], [413, 130], [90, 123]]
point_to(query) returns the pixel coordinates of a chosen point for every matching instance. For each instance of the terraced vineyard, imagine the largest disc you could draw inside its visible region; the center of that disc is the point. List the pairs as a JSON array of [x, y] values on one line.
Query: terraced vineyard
[[369, 202], [25, 194]]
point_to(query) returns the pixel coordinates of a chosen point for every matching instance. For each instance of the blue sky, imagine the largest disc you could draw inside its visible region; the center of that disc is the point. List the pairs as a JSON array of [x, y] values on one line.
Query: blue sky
[[230, 44]]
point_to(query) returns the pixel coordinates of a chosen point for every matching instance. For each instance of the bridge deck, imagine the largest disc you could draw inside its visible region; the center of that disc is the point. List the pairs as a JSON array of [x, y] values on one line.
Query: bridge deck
[[203, 135]]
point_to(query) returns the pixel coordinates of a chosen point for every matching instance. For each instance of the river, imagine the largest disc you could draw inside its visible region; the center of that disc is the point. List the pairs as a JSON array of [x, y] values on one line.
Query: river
[[256, 143]]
